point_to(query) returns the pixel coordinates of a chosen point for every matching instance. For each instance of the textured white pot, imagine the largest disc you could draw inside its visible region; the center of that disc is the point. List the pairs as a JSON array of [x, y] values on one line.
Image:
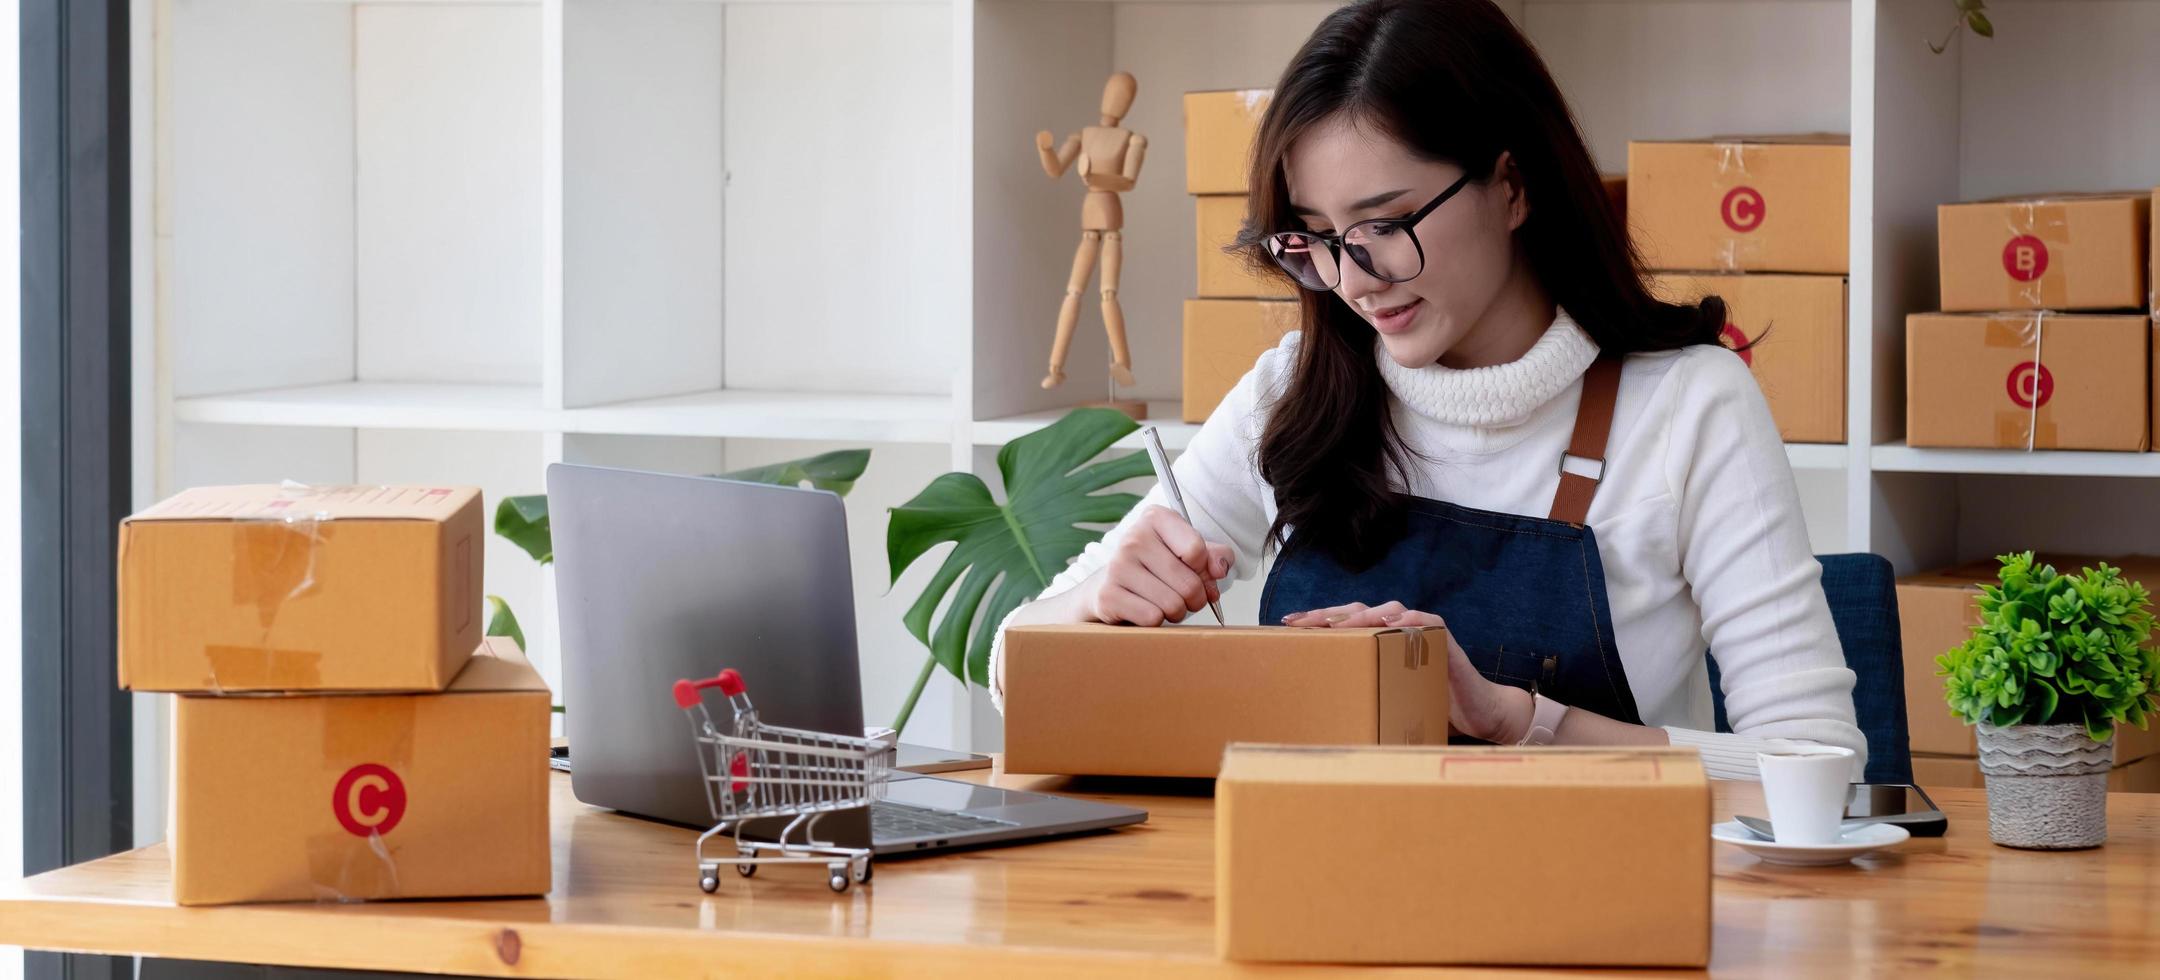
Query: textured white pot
[[2046, 785]]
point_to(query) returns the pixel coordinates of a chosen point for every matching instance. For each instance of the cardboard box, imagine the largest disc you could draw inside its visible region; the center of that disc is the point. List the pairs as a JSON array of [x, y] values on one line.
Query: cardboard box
[[341, 797], [1936, 613], [2027, 381], [1742, 204], [2152, 252], [1797, 327], [267, 588], [1219, 131], [1130, 701], [1963, 772], [1616, 192], [2060, 252], [1419, 873], [2152, 393], [1225, 275], [1946, 772], [1223, 337]]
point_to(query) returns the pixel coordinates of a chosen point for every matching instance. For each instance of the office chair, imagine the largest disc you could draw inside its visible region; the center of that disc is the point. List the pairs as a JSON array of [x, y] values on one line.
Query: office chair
[[1862, 591]]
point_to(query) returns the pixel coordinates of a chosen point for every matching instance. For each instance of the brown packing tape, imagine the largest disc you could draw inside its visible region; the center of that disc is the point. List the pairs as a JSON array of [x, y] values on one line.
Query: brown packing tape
[[2017, 428], [2025, 426], [1737, 167], [274, 562], [2050, 225], [1409, 681], [344, 867]]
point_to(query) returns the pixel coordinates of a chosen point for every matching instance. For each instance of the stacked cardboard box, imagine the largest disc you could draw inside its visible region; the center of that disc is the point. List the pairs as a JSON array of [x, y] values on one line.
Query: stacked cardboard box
[[336, 737], [1240, 311], [1761, 223], [2027, 353], [1936, 612]]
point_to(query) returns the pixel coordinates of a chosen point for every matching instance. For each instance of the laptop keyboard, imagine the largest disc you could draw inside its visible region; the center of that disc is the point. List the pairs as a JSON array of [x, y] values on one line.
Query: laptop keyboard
[[891, 821]]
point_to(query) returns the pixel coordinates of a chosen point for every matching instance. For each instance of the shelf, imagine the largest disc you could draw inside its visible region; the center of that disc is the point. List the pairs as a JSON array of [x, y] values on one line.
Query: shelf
[[774, 415], [1900, 458], [375, 405], [1811, 456], [507, 408], [1176, 435], [1164, 416]]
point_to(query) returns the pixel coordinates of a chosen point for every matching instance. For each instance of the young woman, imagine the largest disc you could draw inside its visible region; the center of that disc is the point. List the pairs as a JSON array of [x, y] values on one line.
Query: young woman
[[1487, 423]]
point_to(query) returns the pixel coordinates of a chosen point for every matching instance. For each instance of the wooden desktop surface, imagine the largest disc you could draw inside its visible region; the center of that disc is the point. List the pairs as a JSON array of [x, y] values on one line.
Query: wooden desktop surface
[[626, 904]]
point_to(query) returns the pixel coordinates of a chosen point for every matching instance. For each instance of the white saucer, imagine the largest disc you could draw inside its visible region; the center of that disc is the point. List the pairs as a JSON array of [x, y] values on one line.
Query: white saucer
[[1851, 844]]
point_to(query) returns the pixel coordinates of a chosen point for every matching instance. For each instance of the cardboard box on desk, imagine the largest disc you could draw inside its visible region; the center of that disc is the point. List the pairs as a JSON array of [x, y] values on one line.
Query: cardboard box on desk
[[1742, 204], [2059, 252], [1131, 701], [1223, 337], [342, 797], [1225, 275], [2027, 381], [1797, 326], [1612, 867], [1936, 613], [1219, 131], [268, 588]]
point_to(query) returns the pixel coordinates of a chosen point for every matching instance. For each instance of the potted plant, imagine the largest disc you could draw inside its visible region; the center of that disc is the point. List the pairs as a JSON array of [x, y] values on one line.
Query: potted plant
[[2056, 663]]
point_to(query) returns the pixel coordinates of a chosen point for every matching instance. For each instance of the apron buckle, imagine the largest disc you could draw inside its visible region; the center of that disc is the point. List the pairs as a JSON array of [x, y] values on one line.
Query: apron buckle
[[1600, 463]]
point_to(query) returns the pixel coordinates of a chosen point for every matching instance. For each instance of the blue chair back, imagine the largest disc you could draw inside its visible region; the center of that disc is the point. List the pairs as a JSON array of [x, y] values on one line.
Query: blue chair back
[[1862, 590]]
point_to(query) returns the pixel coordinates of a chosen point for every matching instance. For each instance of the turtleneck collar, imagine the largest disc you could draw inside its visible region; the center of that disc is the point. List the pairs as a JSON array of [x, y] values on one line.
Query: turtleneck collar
[[1498, 395]]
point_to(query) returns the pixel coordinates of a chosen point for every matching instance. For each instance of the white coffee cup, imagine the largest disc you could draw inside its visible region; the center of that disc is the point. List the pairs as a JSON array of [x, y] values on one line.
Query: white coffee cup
[[1805, 787]]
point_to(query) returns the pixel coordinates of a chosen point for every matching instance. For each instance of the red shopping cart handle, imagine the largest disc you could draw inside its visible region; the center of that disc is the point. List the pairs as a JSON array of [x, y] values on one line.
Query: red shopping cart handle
[[729, 682]]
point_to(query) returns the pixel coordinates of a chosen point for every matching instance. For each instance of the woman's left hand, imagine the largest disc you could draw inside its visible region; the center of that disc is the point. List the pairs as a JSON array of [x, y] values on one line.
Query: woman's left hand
[[1477, 707]]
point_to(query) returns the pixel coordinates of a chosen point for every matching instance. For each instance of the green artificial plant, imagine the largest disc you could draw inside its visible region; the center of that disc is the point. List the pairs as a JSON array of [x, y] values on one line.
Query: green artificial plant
[[1005, 553], [2054, 649], [523, 521]]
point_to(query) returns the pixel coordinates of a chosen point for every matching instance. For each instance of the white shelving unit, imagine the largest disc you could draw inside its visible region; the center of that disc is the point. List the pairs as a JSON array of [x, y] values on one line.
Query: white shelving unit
[[464, 239]]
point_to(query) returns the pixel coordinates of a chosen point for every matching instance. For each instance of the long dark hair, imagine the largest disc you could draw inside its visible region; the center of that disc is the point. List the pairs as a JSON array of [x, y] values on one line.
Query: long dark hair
[[1455, 82]]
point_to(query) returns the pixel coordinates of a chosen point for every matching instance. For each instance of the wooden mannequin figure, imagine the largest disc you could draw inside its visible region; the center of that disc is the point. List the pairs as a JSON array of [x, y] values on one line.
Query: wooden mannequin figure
[[1109, 165]]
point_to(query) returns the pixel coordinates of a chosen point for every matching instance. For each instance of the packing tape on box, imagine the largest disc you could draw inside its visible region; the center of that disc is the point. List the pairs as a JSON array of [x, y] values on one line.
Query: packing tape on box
[[1734, 169], [349, 862], [274, 555], [2027, 383], [2037, 228]]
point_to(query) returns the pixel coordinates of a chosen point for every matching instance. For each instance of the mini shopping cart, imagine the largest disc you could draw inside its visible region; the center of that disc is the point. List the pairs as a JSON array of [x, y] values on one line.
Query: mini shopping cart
[[755, 771]]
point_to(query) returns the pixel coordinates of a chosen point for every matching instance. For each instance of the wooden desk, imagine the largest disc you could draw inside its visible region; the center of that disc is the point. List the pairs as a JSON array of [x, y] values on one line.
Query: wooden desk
[[626, 904]]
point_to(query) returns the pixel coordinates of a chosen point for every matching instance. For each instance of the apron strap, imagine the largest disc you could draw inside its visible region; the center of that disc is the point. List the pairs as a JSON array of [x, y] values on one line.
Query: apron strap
[[1593, 423]]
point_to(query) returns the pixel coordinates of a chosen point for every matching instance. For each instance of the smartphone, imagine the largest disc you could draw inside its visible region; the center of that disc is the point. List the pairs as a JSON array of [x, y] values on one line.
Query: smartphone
[[1906, 805]]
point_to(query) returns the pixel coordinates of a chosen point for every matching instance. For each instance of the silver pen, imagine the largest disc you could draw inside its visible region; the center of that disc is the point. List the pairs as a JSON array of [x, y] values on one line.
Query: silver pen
[[1155, 454]]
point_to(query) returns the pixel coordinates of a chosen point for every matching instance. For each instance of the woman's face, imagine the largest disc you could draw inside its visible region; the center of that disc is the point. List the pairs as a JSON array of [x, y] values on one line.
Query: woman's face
[[1341, 173]]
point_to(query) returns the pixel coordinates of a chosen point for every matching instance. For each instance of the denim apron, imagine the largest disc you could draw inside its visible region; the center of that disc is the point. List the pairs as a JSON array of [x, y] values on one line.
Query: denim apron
[[1524, 596]]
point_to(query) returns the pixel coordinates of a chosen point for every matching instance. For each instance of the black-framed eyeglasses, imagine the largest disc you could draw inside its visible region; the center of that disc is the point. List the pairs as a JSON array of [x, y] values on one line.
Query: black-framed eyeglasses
[[1387, 248]]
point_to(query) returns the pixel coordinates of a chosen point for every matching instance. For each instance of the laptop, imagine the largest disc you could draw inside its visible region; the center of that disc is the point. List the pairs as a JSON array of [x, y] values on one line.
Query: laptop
[[661, 577]]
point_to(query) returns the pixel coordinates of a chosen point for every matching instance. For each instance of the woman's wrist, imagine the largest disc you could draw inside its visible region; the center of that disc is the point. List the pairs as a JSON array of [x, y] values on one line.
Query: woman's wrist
[[1518, 708]]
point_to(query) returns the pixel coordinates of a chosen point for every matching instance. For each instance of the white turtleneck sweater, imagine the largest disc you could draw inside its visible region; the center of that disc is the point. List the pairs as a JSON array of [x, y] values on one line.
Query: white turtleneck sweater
[[1697, 520]]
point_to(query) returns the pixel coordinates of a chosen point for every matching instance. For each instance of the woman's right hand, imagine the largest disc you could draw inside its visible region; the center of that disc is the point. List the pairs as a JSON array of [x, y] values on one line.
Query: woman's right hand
[[1161, 571]]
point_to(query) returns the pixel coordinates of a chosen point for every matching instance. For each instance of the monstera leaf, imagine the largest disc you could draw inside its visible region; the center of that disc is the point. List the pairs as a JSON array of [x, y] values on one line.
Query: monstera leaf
[[523, 521], [1005, 553], [836, 471], [503, 622]]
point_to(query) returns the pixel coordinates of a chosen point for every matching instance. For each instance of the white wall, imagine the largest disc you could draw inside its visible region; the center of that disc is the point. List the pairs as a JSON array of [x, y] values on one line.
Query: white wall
[[11, 839]]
